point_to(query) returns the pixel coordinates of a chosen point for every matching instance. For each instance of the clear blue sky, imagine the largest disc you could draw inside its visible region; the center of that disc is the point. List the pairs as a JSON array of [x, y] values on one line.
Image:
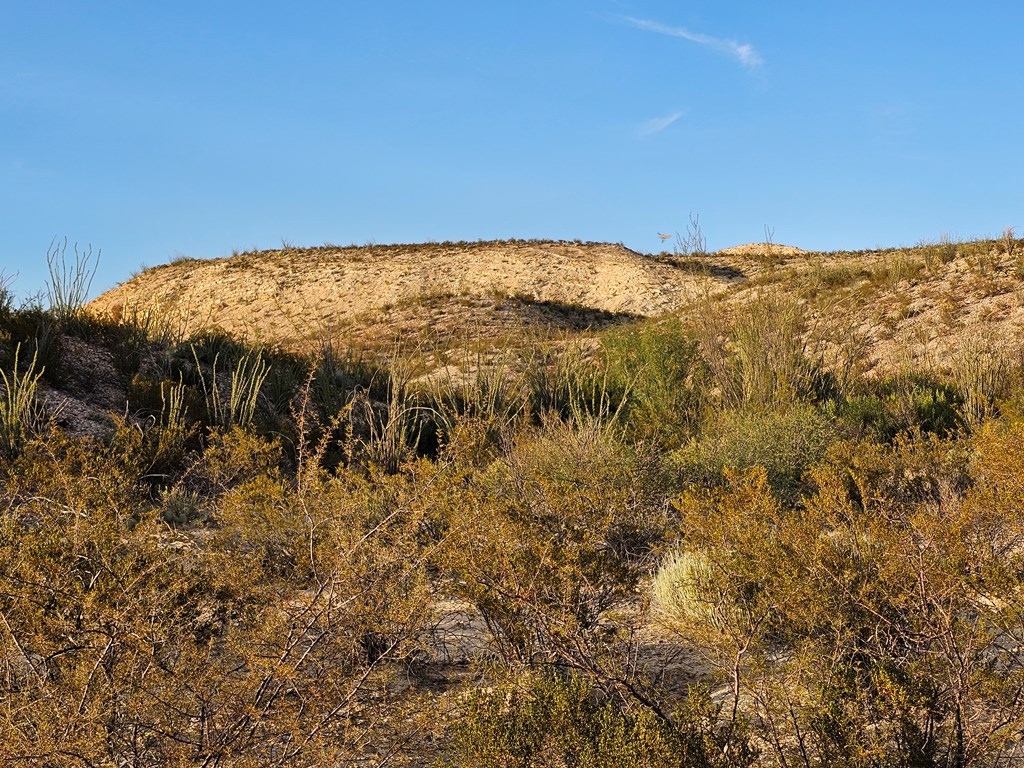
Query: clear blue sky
[[153, 130]]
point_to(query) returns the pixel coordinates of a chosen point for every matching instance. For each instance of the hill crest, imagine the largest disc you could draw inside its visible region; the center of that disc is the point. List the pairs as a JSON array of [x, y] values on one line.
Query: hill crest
[[292, 295]]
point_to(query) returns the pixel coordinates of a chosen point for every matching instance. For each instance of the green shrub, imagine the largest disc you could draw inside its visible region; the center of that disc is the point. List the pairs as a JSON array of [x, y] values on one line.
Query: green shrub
[[785, 441], [549, 721], [37, 332], [660, 368], [238, 407], [866, 417], [919, 402]]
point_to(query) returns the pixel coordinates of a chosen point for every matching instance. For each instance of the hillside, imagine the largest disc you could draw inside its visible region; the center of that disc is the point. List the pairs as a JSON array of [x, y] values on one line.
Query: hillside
[[375, 293], [903, 305], [726, 509]]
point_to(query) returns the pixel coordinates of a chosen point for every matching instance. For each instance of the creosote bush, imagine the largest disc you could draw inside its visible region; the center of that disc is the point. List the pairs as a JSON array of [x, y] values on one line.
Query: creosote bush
[[785, 442], [553, 535], [865, 625], [543, 721], [123, 646]]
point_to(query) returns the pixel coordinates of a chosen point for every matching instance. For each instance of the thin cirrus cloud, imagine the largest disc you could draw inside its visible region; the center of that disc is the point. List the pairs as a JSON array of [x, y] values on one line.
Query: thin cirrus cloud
[[658, 124], [742, 52]]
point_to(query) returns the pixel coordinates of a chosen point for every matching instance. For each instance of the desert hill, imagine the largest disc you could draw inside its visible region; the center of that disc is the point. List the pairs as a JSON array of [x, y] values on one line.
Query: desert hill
[[292, 296], [904, 305]]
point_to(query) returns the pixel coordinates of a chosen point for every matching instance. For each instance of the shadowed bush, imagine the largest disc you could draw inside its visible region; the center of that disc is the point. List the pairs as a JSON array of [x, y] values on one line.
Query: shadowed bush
[[544, 721]]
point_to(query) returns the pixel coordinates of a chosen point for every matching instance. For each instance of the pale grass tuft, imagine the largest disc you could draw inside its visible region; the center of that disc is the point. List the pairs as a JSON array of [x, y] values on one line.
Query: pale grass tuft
[[242, 394], [19, 411]]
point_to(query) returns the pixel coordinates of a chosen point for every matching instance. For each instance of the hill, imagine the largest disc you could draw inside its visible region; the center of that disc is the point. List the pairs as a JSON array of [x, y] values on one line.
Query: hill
[[372, 293], [903, 305], [294, 295]]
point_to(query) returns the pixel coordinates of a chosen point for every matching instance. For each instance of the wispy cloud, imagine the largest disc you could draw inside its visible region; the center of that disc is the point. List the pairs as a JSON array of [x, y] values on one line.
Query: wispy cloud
[[658, 124], [742, 52]]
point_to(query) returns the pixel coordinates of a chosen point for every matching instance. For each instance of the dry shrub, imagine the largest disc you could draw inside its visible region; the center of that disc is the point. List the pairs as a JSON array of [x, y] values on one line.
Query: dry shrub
[[552, 536], [764, 354], [546, 720], [877, 622], [984, 372], [271, 644]]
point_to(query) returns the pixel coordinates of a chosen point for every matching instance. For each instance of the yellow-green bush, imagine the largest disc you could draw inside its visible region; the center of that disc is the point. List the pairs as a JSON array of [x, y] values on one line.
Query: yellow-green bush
[[548, 721], [658, 366], [553, 534], [125, 643], [871, 624], [785, 441]]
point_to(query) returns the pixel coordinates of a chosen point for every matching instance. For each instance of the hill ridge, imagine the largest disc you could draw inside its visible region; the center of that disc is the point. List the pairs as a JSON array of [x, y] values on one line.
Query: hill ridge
[[331, 289]]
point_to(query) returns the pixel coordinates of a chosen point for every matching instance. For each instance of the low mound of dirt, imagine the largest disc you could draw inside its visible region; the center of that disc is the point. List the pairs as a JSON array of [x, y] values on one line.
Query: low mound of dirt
[[763, 249], [293, 296]]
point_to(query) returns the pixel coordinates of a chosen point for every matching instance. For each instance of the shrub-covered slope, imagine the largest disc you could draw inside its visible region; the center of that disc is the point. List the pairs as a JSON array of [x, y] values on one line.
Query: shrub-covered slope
[[735, 535]]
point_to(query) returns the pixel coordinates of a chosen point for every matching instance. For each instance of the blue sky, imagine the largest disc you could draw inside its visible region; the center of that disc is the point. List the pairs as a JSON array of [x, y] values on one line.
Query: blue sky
[[153, 130]]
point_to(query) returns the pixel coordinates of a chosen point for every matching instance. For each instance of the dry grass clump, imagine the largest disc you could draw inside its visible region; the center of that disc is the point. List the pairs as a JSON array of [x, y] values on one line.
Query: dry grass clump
[[20, 413], [761, 353]]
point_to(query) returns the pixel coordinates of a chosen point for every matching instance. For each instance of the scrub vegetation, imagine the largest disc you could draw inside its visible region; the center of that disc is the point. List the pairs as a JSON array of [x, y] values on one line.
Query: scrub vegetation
[[722, 536]]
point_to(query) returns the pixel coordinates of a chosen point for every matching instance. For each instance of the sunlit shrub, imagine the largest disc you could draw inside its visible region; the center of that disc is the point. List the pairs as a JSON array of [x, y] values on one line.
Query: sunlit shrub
[[762, 353], [659, 367], [868, 624], [684, 590], [258, 647], [552, 535], [785, 441], [233, 457]]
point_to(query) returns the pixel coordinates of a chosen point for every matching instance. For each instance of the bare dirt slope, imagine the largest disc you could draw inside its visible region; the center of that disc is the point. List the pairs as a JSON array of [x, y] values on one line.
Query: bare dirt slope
[[292, 296], [918, 304]]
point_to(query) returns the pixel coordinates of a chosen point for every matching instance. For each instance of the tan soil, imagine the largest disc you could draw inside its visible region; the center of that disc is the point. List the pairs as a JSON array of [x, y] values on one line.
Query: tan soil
[[292, 296], [901, 310], [762, 249]]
